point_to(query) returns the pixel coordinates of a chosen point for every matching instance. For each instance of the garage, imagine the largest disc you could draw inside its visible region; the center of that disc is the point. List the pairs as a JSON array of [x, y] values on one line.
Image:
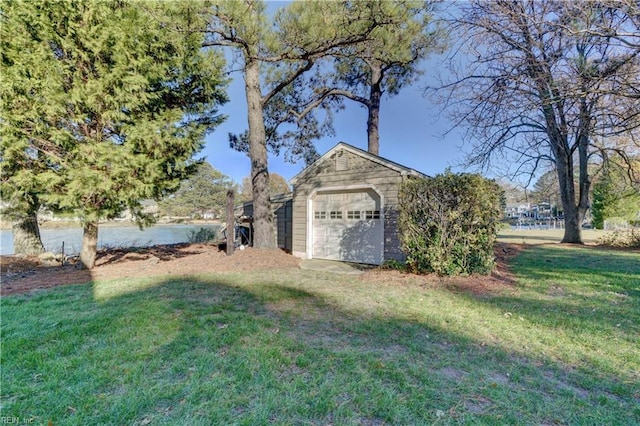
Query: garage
[[345, 207], [347, 225]]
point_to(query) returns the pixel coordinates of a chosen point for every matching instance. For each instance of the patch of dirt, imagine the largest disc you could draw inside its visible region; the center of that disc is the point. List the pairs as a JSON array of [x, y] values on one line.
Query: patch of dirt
[[24, 274], [453, 373], [477, 404]]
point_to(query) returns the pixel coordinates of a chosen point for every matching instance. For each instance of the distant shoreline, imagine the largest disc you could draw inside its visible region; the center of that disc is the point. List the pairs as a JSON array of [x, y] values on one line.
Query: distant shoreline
[[62, 224]]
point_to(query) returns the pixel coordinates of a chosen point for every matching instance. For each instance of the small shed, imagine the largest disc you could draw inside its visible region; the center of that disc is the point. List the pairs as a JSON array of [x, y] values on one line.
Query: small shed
[[345, 207]]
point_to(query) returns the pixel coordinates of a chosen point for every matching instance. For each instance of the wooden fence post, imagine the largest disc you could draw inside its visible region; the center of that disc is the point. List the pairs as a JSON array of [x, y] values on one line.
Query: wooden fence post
[[231, 222]]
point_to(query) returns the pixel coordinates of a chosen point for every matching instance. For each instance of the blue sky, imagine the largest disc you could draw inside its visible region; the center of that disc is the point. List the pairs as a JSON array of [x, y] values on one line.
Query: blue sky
[[411, 133]]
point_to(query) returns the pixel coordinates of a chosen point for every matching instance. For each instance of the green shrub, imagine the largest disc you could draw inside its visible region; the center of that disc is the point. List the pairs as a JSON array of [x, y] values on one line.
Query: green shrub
[[394, 265], [448, 223]]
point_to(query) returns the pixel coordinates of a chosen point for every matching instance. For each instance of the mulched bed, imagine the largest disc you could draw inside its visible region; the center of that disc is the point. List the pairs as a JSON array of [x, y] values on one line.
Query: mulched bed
[[24, 274]]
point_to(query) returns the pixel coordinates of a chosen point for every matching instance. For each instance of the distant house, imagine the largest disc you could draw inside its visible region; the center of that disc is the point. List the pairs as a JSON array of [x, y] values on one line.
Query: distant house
[[344, 207], [517, 210], [540, 211]]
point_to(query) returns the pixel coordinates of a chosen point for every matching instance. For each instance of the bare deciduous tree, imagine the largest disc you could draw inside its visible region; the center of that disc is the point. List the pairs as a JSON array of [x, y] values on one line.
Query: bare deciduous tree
[[548, 82], [277, 185]]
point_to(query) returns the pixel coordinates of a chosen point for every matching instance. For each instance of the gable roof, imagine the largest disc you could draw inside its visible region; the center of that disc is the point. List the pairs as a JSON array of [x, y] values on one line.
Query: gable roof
[[362, 153]]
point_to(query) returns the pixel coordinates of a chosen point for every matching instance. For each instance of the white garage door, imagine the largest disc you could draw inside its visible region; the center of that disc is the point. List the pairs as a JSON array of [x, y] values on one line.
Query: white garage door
[[348, 226]]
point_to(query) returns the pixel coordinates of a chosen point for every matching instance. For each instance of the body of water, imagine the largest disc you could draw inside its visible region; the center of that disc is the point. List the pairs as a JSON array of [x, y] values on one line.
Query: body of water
[[108, 237]]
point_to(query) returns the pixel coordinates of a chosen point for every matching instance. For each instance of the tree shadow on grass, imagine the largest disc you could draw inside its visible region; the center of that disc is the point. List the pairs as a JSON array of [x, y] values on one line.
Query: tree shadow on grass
[[617, 270], [224, 350], [570, 287]]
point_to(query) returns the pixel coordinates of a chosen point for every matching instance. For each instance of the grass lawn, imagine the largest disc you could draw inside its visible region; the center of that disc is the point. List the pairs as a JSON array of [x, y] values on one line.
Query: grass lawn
[[545, 236], [560, 346]]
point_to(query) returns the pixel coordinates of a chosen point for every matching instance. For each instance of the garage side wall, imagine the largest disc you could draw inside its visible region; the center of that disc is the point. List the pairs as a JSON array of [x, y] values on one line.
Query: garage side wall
[[342, 170], [282, 218]]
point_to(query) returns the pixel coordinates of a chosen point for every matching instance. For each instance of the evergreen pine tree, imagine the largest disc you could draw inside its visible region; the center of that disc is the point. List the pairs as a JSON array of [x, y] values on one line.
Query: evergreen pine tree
[[114, 96]]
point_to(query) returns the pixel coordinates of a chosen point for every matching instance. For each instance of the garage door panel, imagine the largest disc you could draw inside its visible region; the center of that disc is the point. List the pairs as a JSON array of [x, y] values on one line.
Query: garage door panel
[[362, 242], [319, 239], [347, 230]]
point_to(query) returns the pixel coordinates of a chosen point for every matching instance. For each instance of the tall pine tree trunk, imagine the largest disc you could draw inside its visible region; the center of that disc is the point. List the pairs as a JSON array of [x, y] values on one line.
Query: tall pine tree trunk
[[26, 235], [89, 245], [264, 236], [373, 109]]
